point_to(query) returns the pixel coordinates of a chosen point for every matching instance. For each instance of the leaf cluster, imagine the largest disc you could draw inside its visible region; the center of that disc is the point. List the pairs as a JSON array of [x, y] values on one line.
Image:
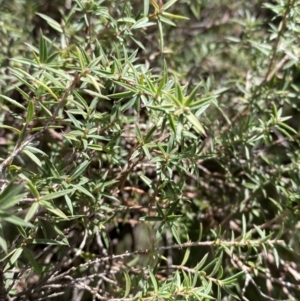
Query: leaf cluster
[[149, 150]]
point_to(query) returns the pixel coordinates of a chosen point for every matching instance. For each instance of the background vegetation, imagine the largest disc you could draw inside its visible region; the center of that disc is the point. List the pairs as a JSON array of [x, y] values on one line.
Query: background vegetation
[[149, 150]]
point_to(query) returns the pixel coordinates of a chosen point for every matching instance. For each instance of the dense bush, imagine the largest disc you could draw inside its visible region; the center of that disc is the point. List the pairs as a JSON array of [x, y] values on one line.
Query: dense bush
[[149, 150]]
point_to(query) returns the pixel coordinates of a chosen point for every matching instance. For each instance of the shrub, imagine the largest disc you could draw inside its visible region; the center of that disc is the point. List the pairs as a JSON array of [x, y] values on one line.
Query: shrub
[[149, 150]]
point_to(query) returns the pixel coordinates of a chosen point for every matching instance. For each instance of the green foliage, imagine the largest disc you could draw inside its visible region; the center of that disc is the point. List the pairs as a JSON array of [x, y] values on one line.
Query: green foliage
[[149, 150]]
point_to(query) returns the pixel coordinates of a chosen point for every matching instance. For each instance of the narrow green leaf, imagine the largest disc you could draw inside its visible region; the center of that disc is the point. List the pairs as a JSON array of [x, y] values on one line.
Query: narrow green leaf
[[231, 293], [10, 195], [201, 102], [22, 232], [161, 35], [33, 189], [179, 94], [201, 295], [23, 93], [94, 82], [146, 180], [142, 23], [168, 4], [186, 256], [219, 295], [276, 257], [208, 288], [23, 134], [160, 211], [52, 57], [150, 133], [195, 122], [166, 20], [79, 187], [42, 241], [178, 17], [43, 51], [69, 203], [261, 232], [138, 133], [217, 265], [15, 257], [53, 209], [153, 280], [121, 95], [14, 220], [30, 111], [146, 7], [53, 79], [221, 110], [146, 152], [192, 96], [200, 232], [155, 4], [138, 42], [21, 74], [51, 167], [210, 264], [128, 284], [3, 243], [32, 261], [85, 55], [96, 147], [220, 272], [279, 234], [32, 211], [13, 102], [54, 24], [275, 109], [284, 128], [232, 279], [81, 59], [80, 170], [94, 93], [55, 195], [135, 154], [76, 122], [171, 218], [187, 281], [45, 87], [197, 268], [162, 82], [33, 157], [35, 150], [175, 234], [175, 100], [244, 226], [3, 126]]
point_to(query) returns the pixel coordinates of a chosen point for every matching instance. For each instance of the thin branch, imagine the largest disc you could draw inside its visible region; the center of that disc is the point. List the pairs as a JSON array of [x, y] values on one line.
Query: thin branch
[[241, 243], [244, 268]]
